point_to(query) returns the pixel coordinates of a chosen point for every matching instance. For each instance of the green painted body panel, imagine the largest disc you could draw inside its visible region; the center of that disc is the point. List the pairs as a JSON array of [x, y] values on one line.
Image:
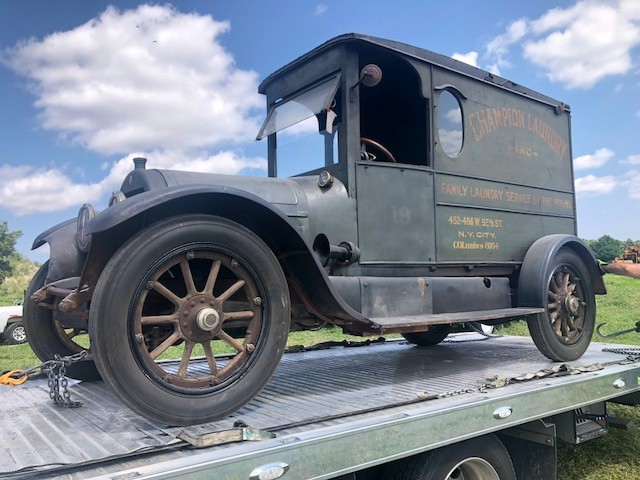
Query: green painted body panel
[[395, 213]]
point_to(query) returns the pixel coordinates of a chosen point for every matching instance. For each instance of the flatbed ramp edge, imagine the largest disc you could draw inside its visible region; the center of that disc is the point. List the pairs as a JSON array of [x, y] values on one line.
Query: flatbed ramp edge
[[332, 412]]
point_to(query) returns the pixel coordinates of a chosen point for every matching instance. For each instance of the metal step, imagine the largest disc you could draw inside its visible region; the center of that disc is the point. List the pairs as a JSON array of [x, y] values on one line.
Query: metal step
[[414, 323]]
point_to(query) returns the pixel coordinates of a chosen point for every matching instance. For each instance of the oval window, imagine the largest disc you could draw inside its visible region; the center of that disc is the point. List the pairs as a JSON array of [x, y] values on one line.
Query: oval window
[[449, 123]]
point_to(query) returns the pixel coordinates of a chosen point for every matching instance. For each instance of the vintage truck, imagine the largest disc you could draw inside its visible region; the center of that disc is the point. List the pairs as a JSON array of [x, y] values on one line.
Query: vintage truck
[[421, 193]]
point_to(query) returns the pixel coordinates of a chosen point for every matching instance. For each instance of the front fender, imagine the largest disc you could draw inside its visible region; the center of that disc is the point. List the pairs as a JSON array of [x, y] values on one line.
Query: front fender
[[117, 223], [66, 260], [536, 264]]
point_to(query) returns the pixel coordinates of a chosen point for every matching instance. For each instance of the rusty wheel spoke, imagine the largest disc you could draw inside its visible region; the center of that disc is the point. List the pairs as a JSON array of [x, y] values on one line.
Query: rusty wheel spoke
[[231, 290], [160, 349], [222, 335], [213, 276], [158, 319], [211, 359], [186, 357], [73, 333], [246, 315], [166, 293], [188, 277]]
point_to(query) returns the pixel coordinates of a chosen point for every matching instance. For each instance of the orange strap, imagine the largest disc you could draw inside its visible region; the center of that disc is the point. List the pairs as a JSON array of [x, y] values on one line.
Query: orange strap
[[14, 377]]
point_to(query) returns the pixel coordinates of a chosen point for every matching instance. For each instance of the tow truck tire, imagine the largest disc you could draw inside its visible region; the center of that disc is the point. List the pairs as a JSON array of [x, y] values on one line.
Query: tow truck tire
[[482, 458], [564, 331], [433, 336], [162, 306], [47, 339], [14, 334]]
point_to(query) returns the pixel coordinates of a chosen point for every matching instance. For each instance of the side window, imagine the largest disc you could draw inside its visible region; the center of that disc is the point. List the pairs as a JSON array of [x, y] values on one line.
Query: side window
[[450, 125]]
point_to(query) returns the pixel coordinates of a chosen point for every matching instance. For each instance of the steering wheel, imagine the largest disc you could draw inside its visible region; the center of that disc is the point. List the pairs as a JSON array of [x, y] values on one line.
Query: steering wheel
[[386, 154]]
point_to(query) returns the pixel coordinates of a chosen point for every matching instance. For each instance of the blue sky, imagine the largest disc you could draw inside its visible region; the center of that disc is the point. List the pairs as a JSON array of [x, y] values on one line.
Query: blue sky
[[87, 85]]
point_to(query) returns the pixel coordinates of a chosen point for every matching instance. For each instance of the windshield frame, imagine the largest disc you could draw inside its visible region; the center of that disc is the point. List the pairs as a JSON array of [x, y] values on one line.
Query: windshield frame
[[269, 127]]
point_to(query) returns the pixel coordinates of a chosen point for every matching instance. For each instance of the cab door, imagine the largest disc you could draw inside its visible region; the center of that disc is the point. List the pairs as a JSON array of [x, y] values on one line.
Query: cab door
[[395, 213]]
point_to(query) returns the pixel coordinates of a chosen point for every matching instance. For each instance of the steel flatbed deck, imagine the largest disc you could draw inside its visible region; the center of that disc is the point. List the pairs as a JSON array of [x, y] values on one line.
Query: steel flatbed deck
[[331, 411]]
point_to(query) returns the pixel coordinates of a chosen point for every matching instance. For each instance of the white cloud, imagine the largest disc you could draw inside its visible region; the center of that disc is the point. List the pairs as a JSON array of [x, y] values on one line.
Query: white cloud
[[454, 115], [320, 9], [498, 48], [149, 80], [139, 80], [26, 190], [593, 186], [576, 46], [470, 58], [632, 160], [598, 159], [632, 183]]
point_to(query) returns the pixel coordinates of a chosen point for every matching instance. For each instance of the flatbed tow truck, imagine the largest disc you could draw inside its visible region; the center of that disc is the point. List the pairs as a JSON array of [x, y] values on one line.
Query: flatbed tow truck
[[317, 419]]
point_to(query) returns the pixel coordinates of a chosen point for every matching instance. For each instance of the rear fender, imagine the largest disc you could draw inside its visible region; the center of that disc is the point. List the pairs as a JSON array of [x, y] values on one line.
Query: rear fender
[[66, 260], [536, 264], [112, 227]]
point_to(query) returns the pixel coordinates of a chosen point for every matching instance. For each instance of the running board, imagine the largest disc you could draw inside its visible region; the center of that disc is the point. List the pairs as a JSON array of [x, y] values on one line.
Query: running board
[[417, 323]]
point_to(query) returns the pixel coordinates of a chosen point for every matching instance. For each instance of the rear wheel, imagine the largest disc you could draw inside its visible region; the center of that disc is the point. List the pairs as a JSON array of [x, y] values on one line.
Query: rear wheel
[[433, 336], [48, 335], [483, 458], [564, 331], [189, 319]]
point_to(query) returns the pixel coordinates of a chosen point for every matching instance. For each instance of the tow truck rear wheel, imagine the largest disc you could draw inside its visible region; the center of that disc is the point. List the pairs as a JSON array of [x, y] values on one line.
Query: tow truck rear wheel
[[482, 458], [189, 319], [47, 336], [564, 331]]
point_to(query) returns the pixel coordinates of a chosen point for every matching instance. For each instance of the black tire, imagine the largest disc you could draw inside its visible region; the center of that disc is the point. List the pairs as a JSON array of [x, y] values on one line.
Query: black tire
[[175, 284], [433, 336], [14, 334], [47, 336], [482, 458], [564, 331]]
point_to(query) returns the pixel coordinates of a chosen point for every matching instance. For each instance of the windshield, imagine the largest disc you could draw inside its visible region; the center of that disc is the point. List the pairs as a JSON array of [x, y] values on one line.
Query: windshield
[[300, 107]]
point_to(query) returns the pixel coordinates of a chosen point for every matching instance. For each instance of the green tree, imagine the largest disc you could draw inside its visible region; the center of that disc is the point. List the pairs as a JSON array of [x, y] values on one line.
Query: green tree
[[606, 248], [7, 249], [628, 243]]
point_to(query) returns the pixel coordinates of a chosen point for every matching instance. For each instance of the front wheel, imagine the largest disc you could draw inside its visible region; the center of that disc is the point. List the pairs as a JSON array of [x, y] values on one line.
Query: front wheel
[[189, 319], [563, 332]]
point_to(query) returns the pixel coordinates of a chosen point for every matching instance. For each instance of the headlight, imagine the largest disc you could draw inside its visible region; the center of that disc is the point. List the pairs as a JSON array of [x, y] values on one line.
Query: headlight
[[116, 197], [85, 215]]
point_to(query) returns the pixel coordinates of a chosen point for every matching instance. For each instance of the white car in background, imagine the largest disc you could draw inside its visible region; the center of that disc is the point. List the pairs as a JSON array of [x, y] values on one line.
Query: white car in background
[[11, 325]]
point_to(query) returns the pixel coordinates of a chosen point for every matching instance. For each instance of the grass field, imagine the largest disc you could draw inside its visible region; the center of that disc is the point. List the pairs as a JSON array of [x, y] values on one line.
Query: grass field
[[613, 457]]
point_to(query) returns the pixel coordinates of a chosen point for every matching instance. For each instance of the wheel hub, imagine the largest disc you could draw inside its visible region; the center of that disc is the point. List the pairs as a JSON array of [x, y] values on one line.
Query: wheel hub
[[572, 304], [208, 319], [201, 318]]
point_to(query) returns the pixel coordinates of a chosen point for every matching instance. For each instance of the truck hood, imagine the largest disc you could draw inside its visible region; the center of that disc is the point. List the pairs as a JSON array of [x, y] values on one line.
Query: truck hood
[[280, 192]]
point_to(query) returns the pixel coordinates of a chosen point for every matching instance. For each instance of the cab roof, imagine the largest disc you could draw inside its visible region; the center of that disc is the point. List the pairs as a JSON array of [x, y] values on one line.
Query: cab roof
[[358, 40]]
